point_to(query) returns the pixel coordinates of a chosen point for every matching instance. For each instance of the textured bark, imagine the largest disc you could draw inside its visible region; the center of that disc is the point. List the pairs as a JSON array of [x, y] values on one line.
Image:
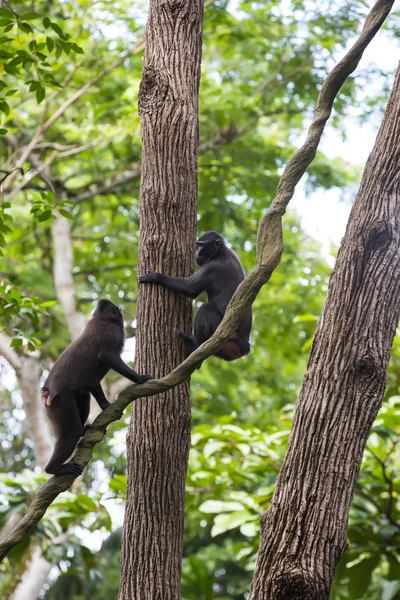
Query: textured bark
[[304, 530], [268, 252], [159, 435]]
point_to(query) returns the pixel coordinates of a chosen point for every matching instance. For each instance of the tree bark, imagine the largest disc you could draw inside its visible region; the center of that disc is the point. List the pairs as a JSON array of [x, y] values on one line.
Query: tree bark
[[304, 530], [159, 434]]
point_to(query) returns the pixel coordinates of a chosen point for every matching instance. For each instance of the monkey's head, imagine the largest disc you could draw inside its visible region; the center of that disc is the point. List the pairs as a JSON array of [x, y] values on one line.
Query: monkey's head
[[107, 311], [210, 245]]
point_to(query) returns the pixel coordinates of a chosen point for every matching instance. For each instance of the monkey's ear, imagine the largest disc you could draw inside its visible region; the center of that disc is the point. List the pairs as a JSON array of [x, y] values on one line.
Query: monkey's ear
[[218, 243]]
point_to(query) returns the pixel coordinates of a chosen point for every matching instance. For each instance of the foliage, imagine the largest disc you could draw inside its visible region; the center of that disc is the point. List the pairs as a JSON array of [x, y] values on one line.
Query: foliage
[[27, 42], [262, 67]]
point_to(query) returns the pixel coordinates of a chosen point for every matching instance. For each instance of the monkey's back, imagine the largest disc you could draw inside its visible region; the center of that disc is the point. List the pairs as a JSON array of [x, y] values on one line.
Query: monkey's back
[[227, 274], [78, 367]]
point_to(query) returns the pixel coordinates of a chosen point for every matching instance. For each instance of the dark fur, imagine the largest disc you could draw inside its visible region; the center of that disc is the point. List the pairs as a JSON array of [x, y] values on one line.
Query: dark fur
[[219, 275], [77, 374]]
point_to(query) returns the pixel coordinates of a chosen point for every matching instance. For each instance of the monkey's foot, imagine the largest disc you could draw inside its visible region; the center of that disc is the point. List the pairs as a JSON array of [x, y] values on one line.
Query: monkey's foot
[[70, 468], [142, 378]]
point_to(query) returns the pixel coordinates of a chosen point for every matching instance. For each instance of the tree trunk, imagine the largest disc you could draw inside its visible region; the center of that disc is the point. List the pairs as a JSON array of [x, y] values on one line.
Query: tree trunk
[[36, 421], [304, 530], [159, 434]]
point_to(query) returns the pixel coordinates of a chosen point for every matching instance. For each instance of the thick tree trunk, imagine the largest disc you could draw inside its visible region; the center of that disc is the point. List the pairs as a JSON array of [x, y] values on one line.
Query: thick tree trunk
[[159, 435], [304, 530]]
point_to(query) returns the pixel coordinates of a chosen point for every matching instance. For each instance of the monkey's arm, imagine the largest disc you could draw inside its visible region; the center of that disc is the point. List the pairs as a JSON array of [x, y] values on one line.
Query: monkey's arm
[[113, 361], [187, 286], [98, 395]]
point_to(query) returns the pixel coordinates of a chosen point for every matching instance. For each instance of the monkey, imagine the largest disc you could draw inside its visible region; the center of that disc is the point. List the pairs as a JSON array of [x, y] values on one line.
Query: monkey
[[219, 275], [76, 374]]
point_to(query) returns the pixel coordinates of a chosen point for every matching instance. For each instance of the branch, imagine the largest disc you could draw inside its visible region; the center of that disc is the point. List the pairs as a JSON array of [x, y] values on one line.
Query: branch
[[43, 127], [8, 353], [269, 251], [108, 187]]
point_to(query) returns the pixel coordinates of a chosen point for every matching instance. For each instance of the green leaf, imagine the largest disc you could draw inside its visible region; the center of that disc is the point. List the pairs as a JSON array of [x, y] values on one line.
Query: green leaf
[[50, 44], [40, 95], [360, 575], [4, 107], [46, 22], [118, 484], [25, 27], [218, 506], [35, 85], [227, 521], [16, 342], [76, 48], [30, 16], [3, 132], [4, 12], [48, 303], [56, 28], [66, 214], [45, 216]]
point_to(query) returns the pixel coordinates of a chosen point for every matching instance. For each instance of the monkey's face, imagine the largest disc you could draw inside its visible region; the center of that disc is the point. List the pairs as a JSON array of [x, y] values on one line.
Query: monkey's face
[[109, 311], [208, 246]]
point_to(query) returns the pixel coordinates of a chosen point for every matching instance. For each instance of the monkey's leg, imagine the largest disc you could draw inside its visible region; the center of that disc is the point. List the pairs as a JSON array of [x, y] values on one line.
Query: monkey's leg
[[98, 395], [237, 346], [83, 404], [113, 361], [187, 340], [65, 418], [206, 322]]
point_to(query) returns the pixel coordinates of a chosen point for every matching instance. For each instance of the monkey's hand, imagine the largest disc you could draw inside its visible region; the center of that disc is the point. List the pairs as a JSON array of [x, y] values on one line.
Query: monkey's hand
[[142, 378], [150, 277]]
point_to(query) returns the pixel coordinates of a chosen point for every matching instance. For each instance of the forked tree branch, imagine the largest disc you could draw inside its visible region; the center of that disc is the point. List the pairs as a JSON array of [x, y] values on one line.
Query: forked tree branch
[[269, 251]]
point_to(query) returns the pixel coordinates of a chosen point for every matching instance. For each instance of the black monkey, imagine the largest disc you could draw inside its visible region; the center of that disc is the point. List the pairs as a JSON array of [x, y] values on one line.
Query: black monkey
[[77, 374], [219, 275]]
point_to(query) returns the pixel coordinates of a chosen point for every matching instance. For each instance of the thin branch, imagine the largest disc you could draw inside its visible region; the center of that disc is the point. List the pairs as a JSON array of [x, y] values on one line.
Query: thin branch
[[108, 187], [36, 172], [8, 353], [269, 251], [38, 136], [8, 173], [103, 268]]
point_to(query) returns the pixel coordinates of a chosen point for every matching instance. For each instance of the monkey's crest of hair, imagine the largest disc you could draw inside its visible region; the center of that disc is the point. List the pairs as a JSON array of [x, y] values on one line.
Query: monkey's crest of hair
[[211, 236], [103, 304], [106, 310]]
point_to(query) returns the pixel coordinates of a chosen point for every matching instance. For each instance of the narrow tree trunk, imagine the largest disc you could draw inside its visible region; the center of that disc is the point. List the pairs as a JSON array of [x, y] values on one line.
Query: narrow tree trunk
[[159, 435], [304, 530], [36, 420]]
